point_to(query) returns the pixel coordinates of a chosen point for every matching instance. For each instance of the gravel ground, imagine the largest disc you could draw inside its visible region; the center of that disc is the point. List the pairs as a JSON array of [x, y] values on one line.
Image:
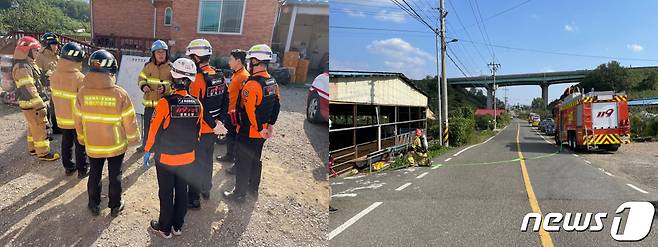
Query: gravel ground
[[40, 206], [636, 161]]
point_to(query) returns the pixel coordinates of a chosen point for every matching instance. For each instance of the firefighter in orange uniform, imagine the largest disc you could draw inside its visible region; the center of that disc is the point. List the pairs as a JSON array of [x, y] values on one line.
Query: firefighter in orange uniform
[[237, 63], [258, 110], [173, 136], [64, 85], [105, 123], [31, 98], [209, 88], [155, 82]]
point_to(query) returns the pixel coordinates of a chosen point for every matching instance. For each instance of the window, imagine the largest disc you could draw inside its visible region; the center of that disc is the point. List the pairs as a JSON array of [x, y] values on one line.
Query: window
[[168, 13], [221, 16]]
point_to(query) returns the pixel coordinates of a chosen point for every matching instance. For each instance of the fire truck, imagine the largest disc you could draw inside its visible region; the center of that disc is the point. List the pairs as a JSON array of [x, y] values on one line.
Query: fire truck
[[594, 120]]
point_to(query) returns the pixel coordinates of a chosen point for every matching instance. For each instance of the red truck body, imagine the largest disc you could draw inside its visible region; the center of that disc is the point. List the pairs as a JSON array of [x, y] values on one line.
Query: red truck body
[[593, 120]]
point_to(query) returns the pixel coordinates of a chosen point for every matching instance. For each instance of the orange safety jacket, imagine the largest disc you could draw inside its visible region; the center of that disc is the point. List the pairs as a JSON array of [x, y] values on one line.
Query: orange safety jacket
[[258, 104], [104, 117], [175, 129], [238, 79], [212, 95], [154, 76], [64, 84]]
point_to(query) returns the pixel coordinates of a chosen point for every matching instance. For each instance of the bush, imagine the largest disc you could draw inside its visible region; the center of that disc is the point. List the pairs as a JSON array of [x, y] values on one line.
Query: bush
[[460, 131], [484, 122]]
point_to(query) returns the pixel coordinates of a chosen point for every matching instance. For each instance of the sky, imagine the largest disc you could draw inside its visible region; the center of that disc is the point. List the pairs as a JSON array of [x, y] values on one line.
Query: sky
[[376, 35]]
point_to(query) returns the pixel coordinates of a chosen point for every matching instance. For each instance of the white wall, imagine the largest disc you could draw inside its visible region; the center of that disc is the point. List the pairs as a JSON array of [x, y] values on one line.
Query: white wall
[[130, 68], [375, 90]]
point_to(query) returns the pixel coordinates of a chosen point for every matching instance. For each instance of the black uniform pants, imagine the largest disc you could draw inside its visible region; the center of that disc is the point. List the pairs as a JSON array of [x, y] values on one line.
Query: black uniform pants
[[146, 123], [69, 138], [52, 117], [204, 166], [230, 138], [249, 166], [94, 183], [172, 191]]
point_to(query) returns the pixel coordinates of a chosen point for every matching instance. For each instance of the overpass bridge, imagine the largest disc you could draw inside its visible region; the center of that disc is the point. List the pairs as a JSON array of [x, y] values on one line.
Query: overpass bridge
[[542, 80]]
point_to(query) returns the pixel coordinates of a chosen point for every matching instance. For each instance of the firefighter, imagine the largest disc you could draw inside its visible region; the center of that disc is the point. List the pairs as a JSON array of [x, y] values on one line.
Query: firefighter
[[105, 123], [419, 149], [209, 88], [31, 98], [237, 63], [155, 82], [258, 109], [174, 135], [66, 81], [47, 62]]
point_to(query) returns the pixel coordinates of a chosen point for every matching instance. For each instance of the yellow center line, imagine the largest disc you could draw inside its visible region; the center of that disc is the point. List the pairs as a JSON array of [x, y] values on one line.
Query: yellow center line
[[544, 237]]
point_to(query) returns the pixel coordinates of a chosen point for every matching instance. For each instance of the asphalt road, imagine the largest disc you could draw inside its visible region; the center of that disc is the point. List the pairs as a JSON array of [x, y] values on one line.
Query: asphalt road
[[479, 197]]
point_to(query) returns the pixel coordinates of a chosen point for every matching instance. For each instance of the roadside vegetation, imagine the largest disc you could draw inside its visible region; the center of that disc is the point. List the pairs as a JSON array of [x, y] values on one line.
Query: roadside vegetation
[[63, 16]]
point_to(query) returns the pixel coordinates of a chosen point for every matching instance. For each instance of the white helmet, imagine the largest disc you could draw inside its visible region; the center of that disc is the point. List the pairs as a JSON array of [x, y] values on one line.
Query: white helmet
[[261, 52], [183, 67], [199, 47]]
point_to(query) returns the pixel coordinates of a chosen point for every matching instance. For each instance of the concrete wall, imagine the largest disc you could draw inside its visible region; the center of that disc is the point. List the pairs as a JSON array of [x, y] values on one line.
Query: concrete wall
[[375, 90]]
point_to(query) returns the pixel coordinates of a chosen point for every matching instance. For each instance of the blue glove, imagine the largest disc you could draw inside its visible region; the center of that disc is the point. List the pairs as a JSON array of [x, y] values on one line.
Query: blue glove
[[146, 160]]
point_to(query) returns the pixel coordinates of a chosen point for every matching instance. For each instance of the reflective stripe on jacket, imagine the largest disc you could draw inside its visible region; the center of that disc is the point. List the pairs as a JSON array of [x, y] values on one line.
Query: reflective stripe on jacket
[[154, 76], [104, 117], [26, 88], [64, 84]]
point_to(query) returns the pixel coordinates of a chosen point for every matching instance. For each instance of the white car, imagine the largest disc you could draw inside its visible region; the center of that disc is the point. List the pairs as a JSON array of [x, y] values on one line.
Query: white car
[[317, 103]]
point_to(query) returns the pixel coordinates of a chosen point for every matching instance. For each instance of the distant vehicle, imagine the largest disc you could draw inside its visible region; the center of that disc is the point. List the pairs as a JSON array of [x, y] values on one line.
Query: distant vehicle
[[535, 120], [543, 123], [595, 120], [317, 103], [549, 129]]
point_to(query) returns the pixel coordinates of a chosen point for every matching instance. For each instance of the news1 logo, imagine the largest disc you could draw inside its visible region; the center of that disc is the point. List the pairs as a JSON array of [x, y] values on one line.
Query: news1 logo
[[637, 227]]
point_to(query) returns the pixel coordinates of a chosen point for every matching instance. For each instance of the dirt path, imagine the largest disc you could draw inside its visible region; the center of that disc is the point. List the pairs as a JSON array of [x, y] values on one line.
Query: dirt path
[[41, 206], [636, 161]]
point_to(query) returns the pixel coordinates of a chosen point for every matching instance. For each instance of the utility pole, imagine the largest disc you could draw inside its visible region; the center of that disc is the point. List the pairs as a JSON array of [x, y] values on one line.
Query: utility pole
[[494, 67], [444, 80], [438, 111]]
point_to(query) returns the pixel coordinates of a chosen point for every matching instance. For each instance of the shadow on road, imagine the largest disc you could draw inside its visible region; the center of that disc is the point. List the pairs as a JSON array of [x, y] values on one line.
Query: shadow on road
[[318, 135], [51, 227]]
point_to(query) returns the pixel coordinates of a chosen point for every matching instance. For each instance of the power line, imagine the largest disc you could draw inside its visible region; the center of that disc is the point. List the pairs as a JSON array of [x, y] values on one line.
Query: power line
[[500, 46], [484, 61], [477, 6], [477, 22]]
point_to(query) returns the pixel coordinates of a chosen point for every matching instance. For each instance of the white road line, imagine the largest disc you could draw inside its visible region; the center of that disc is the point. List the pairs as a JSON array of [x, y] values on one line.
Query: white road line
[[575, 155], [355, 177], [609, 174], [636, 188], [403, 186], [448, 159], [601, 169], [344, 195], [353, 220], [461, 151], [489, 139], [588, 162], [422, 175], [436, 166]]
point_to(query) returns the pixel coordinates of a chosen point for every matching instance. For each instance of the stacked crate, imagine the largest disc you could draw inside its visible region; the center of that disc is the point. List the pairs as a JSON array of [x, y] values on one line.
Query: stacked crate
[[298, 68]]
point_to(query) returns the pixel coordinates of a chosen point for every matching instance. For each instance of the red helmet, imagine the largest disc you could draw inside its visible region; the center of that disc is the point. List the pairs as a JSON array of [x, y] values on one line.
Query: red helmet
[[24, 45]]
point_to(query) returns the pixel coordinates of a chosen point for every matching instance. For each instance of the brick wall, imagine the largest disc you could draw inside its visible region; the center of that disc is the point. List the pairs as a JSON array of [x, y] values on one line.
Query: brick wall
[[130, 18], [162, 31], [257, 27]]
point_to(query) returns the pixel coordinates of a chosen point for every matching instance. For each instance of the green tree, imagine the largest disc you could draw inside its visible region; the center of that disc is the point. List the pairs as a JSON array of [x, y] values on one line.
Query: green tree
[[37, 16], [606, 77], [648, 83]]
